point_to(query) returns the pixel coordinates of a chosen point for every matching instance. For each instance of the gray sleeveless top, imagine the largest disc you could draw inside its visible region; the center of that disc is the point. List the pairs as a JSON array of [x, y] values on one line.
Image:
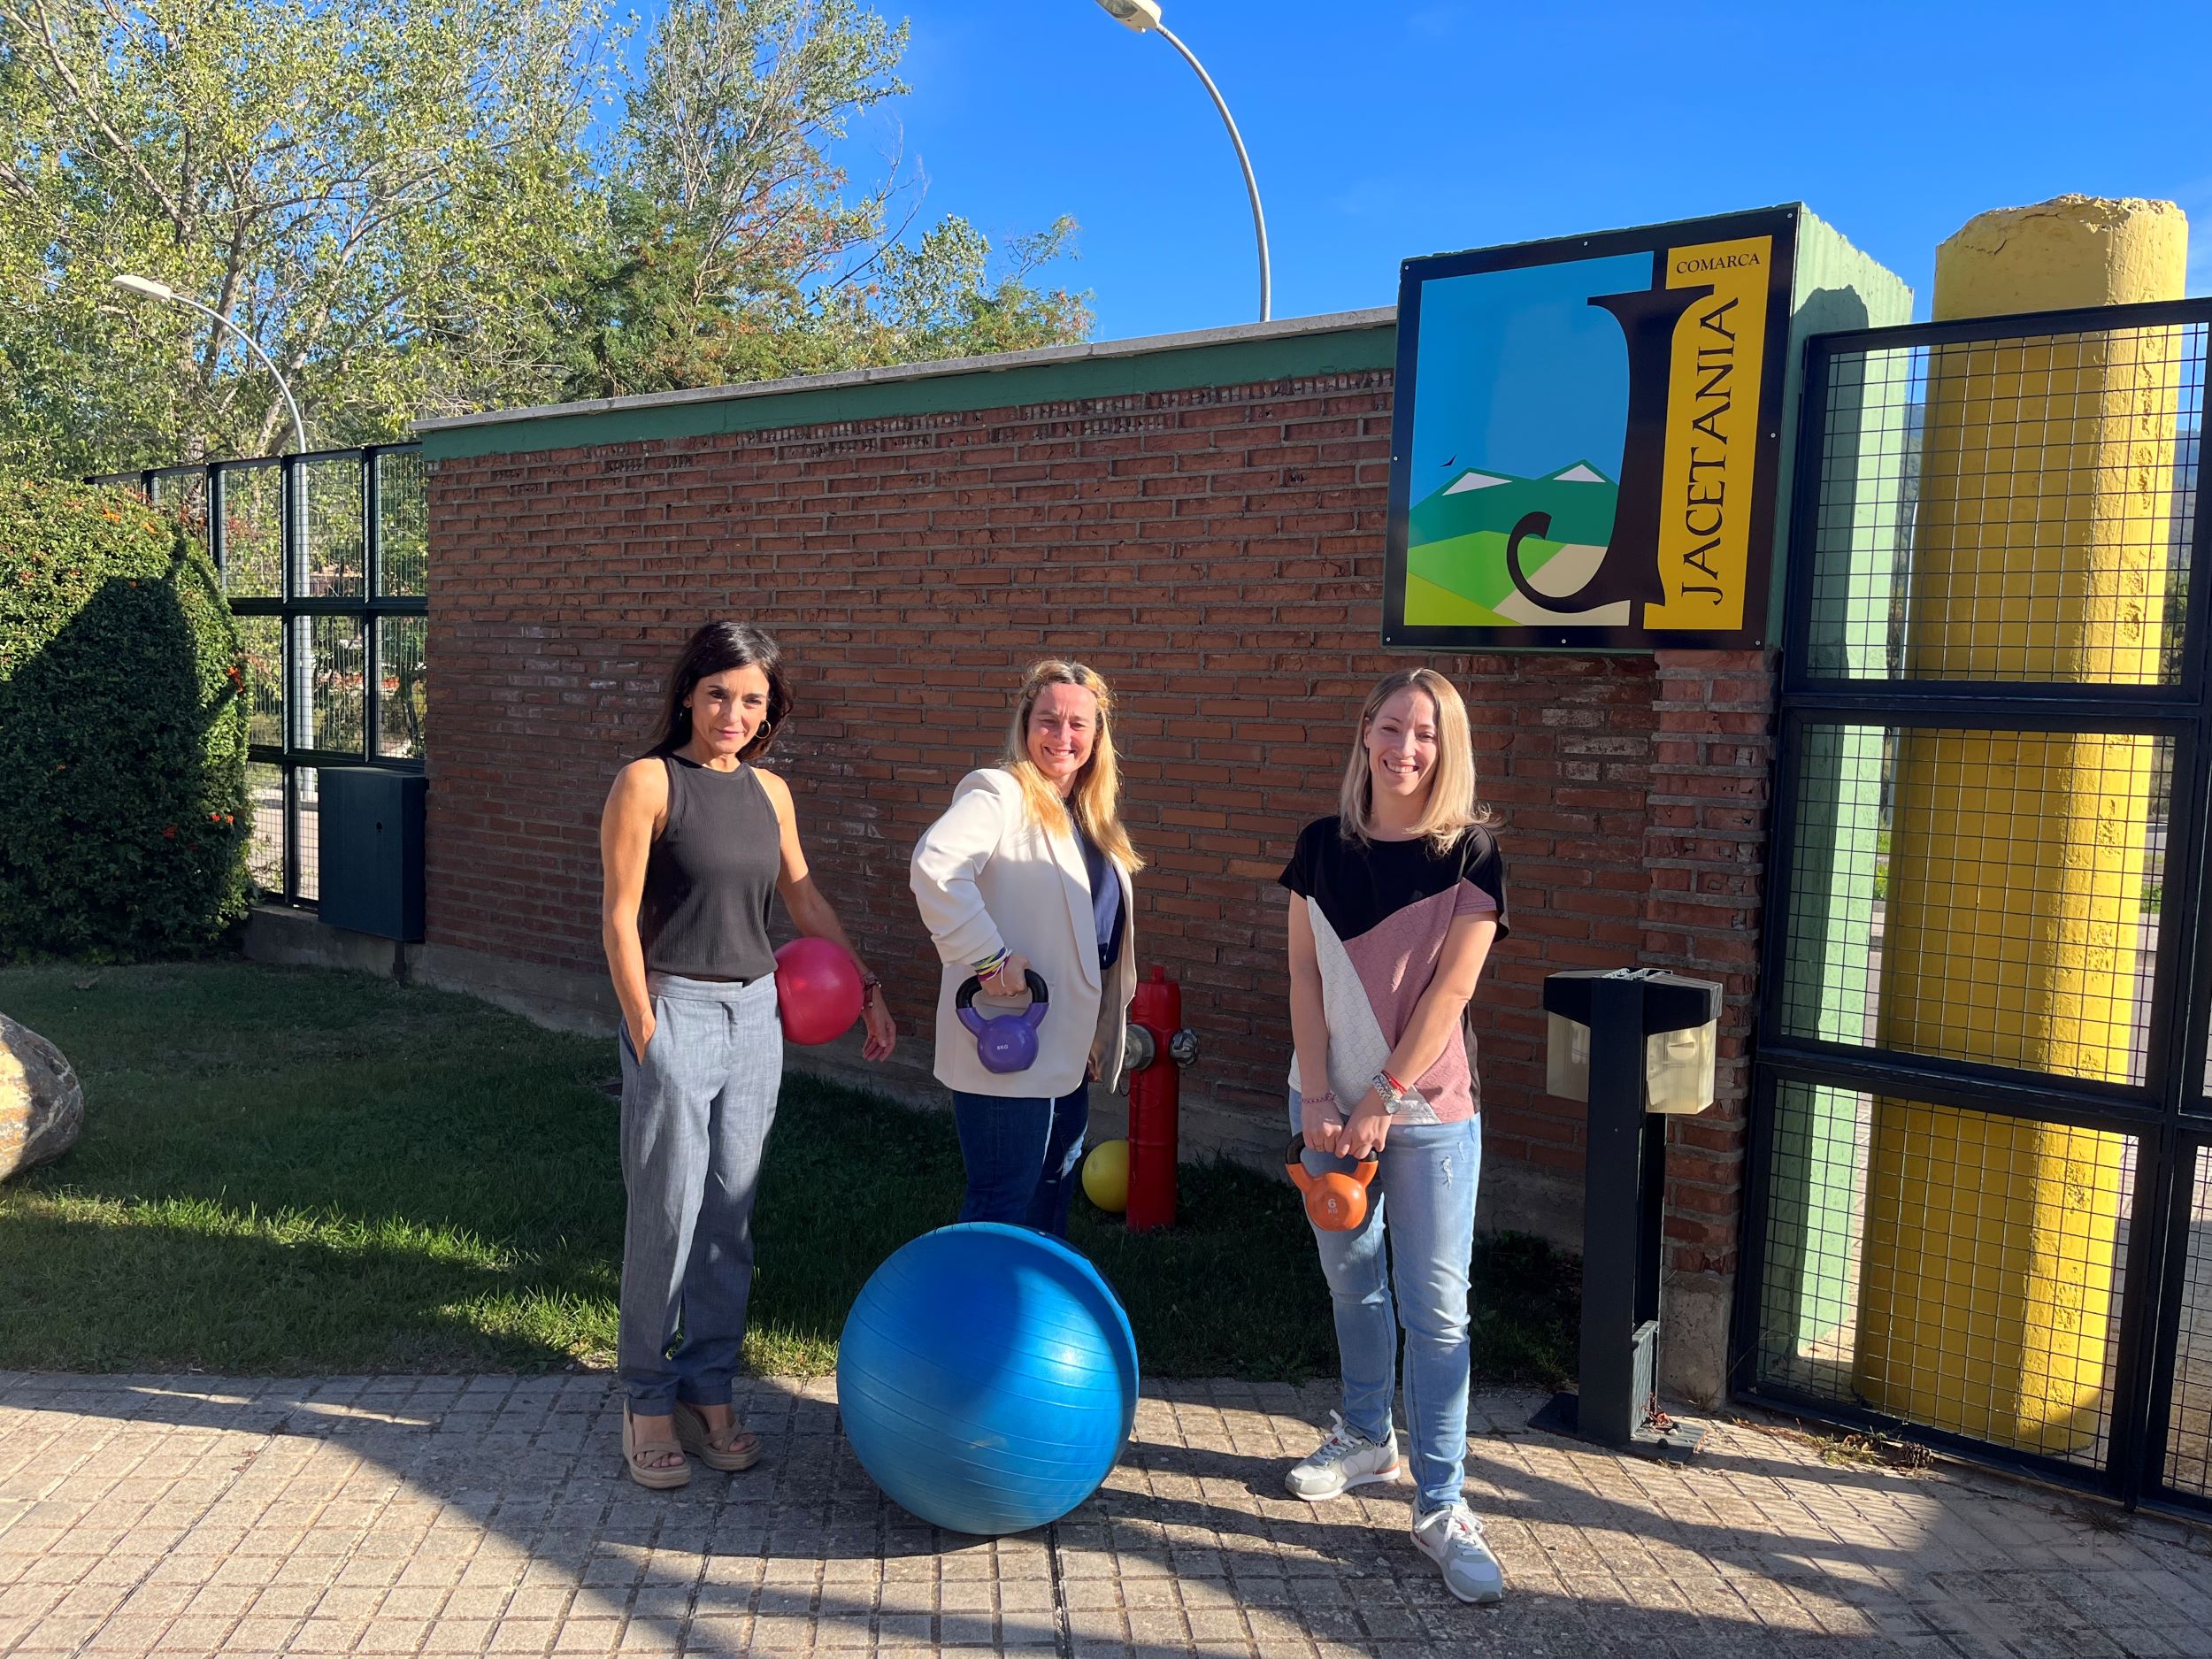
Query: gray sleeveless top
[[704, 914]]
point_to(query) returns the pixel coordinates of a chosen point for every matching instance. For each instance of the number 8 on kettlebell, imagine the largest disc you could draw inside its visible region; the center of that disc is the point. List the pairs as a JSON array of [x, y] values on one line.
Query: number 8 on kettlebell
[[1003, 1043]]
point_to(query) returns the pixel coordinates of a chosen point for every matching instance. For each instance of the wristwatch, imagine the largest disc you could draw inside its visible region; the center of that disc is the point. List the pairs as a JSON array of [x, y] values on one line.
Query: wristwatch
[[1393, 1098]]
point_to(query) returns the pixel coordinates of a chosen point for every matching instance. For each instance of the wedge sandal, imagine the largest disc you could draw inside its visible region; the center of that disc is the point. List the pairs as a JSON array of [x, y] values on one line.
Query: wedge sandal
[[647, 1474], [739, 1446]]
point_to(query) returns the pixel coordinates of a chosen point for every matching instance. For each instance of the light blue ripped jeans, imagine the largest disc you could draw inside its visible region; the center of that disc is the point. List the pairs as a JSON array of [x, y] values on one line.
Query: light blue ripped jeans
[[1426, 1183]]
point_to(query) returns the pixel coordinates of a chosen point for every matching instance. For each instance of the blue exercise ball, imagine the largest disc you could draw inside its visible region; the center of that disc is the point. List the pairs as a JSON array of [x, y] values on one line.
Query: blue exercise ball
[[987, 1379]]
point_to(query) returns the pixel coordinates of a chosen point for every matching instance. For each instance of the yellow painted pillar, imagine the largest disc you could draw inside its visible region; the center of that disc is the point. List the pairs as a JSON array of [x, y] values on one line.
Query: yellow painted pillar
[[2016, 859]]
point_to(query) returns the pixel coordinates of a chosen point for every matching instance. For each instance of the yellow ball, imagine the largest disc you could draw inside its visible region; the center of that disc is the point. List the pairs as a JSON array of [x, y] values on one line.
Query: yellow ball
[[1106, 1175]]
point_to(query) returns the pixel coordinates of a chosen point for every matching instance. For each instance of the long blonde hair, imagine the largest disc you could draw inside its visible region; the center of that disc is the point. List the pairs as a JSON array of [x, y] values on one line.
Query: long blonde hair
[[1452, 806], [1096, 796]]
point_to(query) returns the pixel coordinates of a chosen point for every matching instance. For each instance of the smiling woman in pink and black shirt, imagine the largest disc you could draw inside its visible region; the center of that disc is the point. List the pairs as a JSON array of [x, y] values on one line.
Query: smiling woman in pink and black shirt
[[1394, 904]]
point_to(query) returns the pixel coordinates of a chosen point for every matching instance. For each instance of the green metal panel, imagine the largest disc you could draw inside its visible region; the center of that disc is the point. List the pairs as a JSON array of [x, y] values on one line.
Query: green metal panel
[[1818, 1174], [1837, 287], [1172, 368]]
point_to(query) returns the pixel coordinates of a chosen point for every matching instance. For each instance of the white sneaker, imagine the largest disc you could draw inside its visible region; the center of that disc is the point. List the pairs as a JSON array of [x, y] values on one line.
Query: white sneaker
[[1452, 1538], [1342, 1461]]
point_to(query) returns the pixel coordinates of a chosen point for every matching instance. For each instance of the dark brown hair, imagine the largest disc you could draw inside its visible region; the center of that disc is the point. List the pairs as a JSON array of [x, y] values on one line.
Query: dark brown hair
[[713, 650]]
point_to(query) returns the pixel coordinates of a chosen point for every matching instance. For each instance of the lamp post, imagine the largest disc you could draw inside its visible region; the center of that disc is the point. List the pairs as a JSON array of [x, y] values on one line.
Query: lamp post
[[1143, 17], [154, 290], [299, 649]]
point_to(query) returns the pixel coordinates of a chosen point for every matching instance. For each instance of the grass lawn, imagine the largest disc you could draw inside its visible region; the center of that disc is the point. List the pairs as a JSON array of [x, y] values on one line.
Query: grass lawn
[[287, 1171]]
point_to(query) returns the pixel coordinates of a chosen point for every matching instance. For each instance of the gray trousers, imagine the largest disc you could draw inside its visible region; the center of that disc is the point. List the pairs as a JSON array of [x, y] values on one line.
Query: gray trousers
[[695, 1113]]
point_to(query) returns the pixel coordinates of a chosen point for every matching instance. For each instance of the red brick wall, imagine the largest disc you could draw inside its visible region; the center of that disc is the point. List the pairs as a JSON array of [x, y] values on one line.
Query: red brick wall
[[1705, 853], [1216, 554]]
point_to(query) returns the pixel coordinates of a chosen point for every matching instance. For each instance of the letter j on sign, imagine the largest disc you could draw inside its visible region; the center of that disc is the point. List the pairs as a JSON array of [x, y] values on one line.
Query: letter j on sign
[[1585, 439]]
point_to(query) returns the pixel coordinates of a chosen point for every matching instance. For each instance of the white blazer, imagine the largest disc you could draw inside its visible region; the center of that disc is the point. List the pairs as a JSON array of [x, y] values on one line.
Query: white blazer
[[985, 876]]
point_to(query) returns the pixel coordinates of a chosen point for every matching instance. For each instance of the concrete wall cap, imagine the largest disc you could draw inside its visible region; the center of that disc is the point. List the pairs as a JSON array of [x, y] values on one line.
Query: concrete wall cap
[[1987, 232], [2067, 253], [1332, 323]]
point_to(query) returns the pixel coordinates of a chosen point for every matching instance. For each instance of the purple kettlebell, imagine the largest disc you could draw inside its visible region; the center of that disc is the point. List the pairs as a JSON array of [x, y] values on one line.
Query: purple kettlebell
[[1004, 1042]]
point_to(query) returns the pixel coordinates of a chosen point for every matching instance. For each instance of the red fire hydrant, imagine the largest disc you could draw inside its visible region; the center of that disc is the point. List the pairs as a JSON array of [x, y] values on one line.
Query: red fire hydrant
[[1159, 1047]]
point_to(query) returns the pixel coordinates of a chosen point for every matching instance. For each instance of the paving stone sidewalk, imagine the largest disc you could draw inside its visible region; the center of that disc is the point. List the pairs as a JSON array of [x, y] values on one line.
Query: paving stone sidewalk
[[488, 1515]]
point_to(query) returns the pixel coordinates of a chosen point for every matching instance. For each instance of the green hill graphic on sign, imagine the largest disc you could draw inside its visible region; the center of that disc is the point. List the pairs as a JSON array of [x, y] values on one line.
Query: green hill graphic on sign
[[1455, 539]]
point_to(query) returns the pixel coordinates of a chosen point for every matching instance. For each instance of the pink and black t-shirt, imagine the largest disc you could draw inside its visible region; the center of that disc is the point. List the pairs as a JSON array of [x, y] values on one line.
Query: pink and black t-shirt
[[1381, 911]]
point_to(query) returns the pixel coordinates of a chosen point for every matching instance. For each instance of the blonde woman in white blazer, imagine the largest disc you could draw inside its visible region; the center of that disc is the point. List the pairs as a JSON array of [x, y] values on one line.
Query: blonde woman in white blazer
[[1028, 870]]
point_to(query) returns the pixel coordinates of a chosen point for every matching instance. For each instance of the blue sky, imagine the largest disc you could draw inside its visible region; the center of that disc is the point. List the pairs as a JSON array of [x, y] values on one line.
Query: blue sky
[[1381, 130], [1520, 373]]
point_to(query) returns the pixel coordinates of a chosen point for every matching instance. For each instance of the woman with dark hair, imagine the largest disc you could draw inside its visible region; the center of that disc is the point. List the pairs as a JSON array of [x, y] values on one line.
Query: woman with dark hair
[[694, 838]]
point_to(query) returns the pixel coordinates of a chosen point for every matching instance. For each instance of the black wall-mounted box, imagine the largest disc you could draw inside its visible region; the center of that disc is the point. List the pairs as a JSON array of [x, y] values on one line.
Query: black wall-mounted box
[[370, 850]]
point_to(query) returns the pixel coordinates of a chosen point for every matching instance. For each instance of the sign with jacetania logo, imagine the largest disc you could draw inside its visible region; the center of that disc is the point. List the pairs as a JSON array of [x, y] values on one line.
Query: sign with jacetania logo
[[1587, 437]]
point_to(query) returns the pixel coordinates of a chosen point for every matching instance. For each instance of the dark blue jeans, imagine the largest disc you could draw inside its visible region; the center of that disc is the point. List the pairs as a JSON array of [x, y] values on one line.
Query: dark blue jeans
[[1022, 1157]]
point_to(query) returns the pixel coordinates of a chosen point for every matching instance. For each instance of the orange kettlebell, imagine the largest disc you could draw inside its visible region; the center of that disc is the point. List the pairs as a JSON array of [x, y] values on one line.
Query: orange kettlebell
[[1335, 1203]]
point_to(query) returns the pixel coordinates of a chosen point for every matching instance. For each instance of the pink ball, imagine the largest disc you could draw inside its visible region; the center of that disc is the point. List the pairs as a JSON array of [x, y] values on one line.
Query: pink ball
[[818, 994]]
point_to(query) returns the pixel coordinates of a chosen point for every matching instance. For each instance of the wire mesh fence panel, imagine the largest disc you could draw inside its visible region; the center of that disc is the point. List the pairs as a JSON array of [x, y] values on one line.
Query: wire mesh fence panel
[[402, 644], [2189, 1419], [261, 640], [1943, 900], [321, 559], [1999, 516], [307, 832], [252, 504], [1816, 1222], [183, 492], [1955, 1270], [332, 556], [264, 799], [2019, 508], [328, 681], [402, 524]]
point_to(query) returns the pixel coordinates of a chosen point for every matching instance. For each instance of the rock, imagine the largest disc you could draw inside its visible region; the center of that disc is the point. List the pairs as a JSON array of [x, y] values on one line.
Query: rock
[[42, 1106]]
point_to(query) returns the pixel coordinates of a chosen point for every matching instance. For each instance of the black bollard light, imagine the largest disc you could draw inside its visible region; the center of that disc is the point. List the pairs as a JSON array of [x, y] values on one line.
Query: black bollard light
[[1637, 1044]]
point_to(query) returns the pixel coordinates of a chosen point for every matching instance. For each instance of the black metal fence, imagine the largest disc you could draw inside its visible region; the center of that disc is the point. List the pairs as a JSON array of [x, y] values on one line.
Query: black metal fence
[[325, 558], [1980, 1186]]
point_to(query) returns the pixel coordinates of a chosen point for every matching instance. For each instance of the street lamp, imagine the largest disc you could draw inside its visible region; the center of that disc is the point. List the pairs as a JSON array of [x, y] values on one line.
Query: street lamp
[[1143, 17], [154, 290]]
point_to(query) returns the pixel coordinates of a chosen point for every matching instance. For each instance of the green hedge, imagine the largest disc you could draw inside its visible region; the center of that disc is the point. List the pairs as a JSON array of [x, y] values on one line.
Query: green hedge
[[122, 731]]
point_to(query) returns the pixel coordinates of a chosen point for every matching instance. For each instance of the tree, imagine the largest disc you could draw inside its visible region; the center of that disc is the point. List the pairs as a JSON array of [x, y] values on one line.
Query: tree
[[128, 820], [423, 207], [358, 185], [738, 252]]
